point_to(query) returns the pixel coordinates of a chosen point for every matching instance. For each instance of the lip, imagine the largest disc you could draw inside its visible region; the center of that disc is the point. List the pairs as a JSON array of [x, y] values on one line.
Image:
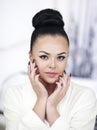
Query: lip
[[51, 74]]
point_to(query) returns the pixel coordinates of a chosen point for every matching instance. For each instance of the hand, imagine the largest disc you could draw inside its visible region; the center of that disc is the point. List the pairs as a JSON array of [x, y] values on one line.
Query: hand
[[37, 85], [60, 91], [40, 91], [56, 97]]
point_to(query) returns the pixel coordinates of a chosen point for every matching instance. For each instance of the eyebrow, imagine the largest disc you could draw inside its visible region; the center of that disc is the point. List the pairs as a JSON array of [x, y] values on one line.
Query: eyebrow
[[49, 54]]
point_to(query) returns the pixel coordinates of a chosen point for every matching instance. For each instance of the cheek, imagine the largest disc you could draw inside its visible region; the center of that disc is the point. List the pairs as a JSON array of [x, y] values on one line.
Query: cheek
[[62, 68], [63, 65], [40, 66]]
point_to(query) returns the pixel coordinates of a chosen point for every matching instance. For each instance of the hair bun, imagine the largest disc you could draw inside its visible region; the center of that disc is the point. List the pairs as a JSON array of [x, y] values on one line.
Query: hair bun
[[48, 17]]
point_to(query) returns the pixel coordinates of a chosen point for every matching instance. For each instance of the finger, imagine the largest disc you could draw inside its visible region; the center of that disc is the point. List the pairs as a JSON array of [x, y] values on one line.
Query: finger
[[33, 73], [65, 77], [63, 80], [58, 88], [65, 83], [64, 73], [32, 65], [69, 79], [37, 79], [58, 84]]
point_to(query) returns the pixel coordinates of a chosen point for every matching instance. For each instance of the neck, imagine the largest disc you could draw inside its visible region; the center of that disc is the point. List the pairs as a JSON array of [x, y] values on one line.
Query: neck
[[49, 87]]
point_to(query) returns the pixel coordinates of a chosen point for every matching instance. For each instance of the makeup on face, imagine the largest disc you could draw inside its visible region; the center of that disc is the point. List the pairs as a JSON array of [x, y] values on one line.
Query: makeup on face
[[44, 55], [51, 54]]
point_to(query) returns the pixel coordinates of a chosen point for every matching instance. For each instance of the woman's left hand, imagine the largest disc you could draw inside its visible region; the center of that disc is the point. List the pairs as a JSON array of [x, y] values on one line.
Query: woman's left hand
[[56, 97]]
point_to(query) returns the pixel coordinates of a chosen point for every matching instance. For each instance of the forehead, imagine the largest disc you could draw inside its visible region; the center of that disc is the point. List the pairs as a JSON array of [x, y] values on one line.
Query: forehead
[[51, 44]]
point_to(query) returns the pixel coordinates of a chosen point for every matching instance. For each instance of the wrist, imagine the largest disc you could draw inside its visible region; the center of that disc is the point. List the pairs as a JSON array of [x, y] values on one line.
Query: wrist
[[40, 107], [41, 99], [51, 110], [51, 105]]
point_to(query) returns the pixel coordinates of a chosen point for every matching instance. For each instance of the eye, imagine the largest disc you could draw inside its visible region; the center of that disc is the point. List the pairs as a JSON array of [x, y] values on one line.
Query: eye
[[44, 57], [61, 58]]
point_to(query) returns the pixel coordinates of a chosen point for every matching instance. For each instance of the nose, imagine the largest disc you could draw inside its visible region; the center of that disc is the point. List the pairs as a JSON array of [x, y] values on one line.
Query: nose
[[52, 63]]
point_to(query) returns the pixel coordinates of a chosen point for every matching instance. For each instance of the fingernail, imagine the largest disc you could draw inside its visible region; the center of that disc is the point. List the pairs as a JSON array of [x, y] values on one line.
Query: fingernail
[[33, 60], [64, 71], [36, 66], [60, 76], [29, 63]]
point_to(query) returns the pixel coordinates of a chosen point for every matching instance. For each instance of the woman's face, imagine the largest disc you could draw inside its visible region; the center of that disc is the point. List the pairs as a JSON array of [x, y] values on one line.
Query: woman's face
[[50, 54]]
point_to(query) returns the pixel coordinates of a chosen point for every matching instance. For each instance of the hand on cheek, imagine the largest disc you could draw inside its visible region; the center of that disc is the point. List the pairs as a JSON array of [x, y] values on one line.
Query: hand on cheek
[[60, 91], [38, 87], [53, 100]]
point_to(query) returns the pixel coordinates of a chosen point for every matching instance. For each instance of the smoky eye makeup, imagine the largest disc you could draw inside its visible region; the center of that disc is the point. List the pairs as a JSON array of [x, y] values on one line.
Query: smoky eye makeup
[[61, 57], [44, 57]]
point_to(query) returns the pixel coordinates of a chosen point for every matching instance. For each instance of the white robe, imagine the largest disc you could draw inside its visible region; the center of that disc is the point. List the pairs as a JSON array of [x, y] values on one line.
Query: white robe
[[78, 109]]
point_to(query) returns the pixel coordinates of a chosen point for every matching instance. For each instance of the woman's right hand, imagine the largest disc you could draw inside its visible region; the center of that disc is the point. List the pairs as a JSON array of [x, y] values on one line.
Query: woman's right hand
[[37, 85], [40, 91]]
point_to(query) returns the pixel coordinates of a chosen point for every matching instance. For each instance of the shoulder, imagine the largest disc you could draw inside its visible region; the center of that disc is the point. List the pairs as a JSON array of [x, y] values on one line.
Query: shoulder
[[83, 94], [83, 101], [13, 91], [15, 94], [82, 89]]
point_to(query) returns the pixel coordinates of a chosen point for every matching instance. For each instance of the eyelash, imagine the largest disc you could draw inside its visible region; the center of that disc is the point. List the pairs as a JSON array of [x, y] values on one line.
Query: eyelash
[[44, 57], [61, 58]]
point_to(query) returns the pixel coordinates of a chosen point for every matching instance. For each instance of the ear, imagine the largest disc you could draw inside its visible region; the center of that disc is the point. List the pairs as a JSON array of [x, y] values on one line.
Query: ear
[[30, 56]]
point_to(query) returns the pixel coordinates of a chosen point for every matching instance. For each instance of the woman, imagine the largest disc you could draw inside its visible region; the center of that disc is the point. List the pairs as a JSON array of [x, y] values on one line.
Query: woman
[[49, 101]]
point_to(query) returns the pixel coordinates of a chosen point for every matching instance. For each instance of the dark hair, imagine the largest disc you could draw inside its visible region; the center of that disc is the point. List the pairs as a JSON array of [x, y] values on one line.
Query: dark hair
[[47, 21]]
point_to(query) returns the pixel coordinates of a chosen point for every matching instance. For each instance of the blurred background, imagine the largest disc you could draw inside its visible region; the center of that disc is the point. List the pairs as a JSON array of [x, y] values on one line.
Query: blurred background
[[80, 18]]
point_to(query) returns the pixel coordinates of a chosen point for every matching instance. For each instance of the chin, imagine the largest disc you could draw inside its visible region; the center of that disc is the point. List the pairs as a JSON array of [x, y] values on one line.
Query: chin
[[50, 81]]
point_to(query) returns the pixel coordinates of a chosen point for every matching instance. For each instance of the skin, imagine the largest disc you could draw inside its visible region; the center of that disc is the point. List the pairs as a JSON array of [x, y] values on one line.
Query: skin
[[47, 76]]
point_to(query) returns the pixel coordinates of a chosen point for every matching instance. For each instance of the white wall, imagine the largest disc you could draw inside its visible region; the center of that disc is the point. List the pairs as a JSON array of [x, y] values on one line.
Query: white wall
[[15, 19]]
